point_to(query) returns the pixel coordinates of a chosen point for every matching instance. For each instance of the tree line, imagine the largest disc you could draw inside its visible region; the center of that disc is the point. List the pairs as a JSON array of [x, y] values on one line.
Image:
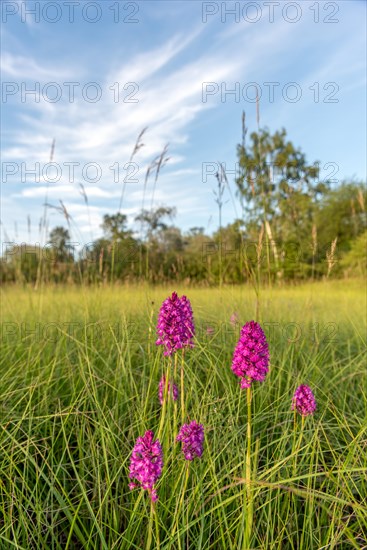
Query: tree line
[[292, 226]]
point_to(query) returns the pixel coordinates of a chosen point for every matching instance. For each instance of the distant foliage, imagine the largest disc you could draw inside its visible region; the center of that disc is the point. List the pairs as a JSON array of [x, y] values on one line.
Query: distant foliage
[[294, 226]]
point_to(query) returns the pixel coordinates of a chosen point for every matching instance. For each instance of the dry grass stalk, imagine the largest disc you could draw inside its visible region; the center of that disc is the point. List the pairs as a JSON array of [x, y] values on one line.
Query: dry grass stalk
[[85, 197], [138, 145], [101, 261], [272, 242], [43, 221], [330, 257], [159, 162], [260, 244], [360, 199], [314, 239]]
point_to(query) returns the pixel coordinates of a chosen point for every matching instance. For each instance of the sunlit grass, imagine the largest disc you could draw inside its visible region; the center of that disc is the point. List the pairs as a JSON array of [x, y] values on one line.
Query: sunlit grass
[[79, 384]]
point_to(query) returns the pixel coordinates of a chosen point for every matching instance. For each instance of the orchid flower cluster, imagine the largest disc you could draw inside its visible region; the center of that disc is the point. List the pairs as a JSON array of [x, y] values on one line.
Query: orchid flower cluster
[[304, 401], [192, 438], [146, 463], [250, 363], [251, 355], [175, 326]]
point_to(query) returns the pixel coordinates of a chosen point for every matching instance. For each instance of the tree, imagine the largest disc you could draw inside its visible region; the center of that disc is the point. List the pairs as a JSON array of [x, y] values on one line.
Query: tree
[[114, 227], [342, 214], [153, 219], [277, 185], [355, 261], [170, 239], [60, 244], [194, 231], [280, 192], [19, 263], [115, 254]]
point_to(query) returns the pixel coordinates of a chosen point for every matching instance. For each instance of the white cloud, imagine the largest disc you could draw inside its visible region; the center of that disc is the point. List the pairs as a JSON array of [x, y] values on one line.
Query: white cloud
[[25, 67], [65, 191]]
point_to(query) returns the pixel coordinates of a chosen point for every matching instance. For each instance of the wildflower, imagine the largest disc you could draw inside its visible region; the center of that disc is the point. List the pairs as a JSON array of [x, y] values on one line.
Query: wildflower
[[175, 326], [304, 400], [192, 438], [251, 355], [172, 389], [146, 463]]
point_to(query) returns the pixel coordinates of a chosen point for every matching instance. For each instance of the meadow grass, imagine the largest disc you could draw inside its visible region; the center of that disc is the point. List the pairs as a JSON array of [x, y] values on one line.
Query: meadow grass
[[79, 383]]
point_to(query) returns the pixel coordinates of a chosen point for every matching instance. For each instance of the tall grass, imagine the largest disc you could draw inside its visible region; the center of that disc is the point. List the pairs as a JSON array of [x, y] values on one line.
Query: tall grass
[[74, 398]]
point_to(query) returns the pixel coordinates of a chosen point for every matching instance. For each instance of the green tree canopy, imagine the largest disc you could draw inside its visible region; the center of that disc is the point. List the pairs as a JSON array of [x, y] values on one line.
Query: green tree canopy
[[114, 227], [276, 184]]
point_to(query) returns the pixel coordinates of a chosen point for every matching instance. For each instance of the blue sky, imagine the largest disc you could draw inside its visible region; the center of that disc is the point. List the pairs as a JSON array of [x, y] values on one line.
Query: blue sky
[[312, 55]]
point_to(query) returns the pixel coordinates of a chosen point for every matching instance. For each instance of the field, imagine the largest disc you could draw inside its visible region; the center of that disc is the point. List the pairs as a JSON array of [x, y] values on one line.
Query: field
[[79, 383]]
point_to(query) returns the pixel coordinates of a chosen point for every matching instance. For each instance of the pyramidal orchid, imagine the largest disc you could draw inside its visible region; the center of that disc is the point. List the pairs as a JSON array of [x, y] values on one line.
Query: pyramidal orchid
[[304, 401], [146, 464], [175, 327], [251, 355], [192, 438]]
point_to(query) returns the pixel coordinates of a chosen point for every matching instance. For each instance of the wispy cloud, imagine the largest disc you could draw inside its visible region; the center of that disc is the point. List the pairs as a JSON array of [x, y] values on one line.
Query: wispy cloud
[[166, 75], [24, 67]]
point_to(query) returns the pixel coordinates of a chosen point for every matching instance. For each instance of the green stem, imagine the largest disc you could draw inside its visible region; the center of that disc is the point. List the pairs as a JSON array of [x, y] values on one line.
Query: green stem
[[182, 388], [150, 529], [295, 450], [248, 492], [113, 261], [175, 402], [164, 406], [297, 444], [294, 441], [157, 546], [180, 505], [150, 329]]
